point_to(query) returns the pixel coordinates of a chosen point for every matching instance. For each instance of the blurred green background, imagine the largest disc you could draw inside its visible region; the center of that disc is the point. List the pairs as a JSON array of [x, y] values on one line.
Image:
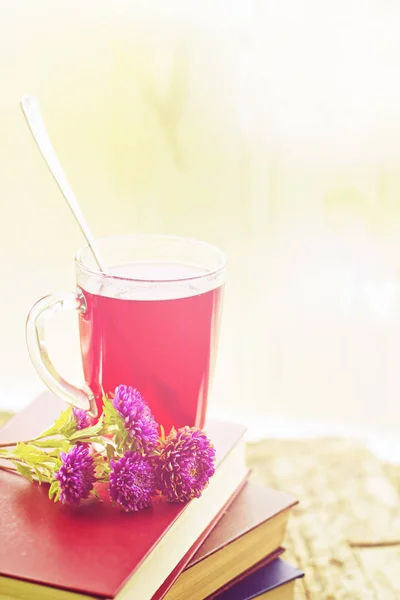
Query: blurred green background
[[270, 129]]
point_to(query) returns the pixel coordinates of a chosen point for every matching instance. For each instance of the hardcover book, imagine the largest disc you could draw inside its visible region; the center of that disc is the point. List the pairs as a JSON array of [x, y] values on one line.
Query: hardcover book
[[248, 535], [56, 551], [275, 581]]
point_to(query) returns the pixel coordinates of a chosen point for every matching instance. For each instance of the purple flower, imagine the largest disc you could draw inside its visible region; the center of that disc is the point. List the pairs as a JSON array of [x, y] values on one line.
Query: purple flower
[[137, 416], [131, 482], [76, 474], [81, 418], [184, 465]]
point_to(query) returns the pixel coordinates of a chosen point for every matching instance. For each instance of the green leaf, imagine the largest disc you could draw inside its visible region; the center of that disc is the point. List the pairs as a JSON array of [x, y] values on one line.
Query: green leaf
[[127, 442], [108, 396], [111, 416], [24, 451], [29, 453], [47, 472], [110, 451], [162, 433], [94, 493], [65, 418], [87, 432], [35, 457], [118, 439], [101, 464], [65, 447], [23, 470], [54, 488], [47, 432], [51, 443], [38, 475]]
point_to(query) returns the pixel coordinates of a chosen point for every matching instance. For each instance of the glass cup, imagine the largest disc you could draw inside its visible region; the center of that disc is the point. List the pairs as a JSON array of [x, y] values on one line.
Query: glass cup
[[151, 321]]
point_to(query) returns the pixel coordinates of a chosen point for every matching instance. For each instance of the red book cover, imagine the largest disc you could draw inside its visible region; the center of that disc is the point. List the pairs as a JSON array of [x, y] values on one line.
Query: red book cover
[[94, 548]]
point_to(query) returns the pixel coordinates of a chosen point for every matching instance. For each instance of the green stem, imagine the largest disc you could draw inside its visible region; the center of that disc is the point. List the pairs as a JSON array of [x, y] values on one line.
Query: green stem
[[15, 471], [32, 441], [12, 457], [10, 469], [9, 444]]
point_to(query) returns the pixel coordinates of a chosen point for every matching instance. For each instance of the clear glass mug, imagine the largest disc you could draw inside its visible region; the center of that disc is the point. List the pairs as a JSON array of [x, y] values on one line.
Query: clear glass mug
[[151, 321]]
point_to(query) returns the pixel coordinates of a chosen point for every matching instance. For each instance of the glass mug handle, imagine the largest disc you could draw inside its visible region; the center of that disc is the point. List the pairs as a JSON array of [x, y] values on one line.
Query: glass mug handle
[[36, 341]]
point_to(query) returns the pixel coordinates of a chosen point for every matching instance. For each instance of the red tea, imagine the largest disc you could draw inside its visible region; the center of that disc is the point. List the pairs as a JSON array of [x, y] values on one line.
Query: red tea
[[164, 346]]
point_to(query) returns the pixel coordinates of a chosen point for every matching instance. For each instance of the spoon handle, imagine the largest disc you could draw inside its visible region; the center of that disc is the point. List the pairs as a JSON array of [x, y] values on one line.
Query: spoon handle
[[31, 110]]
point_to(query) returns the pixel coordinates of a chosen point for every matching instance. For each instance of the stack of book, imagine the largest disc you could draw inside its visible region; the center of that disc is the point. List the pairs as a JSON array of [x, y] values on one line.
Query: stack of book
[[225, 544]]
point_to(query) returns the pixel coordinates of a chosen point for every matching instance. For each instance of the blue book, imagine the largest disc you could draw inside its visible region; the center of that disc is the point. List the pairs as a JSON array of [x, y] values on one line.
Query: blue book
[[275, 581]]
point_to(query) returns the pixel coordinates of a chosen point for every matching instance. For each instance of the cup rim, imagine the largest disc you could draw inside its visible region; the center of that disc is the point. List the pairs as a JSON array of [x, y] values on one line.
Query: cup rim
[[97, 273]]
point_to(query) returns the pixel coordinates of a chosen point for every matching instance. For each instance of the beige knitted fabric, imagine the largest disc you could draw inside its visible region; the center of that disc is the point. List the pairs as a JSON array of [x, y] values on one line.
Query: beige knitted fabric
[[345, 533]]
